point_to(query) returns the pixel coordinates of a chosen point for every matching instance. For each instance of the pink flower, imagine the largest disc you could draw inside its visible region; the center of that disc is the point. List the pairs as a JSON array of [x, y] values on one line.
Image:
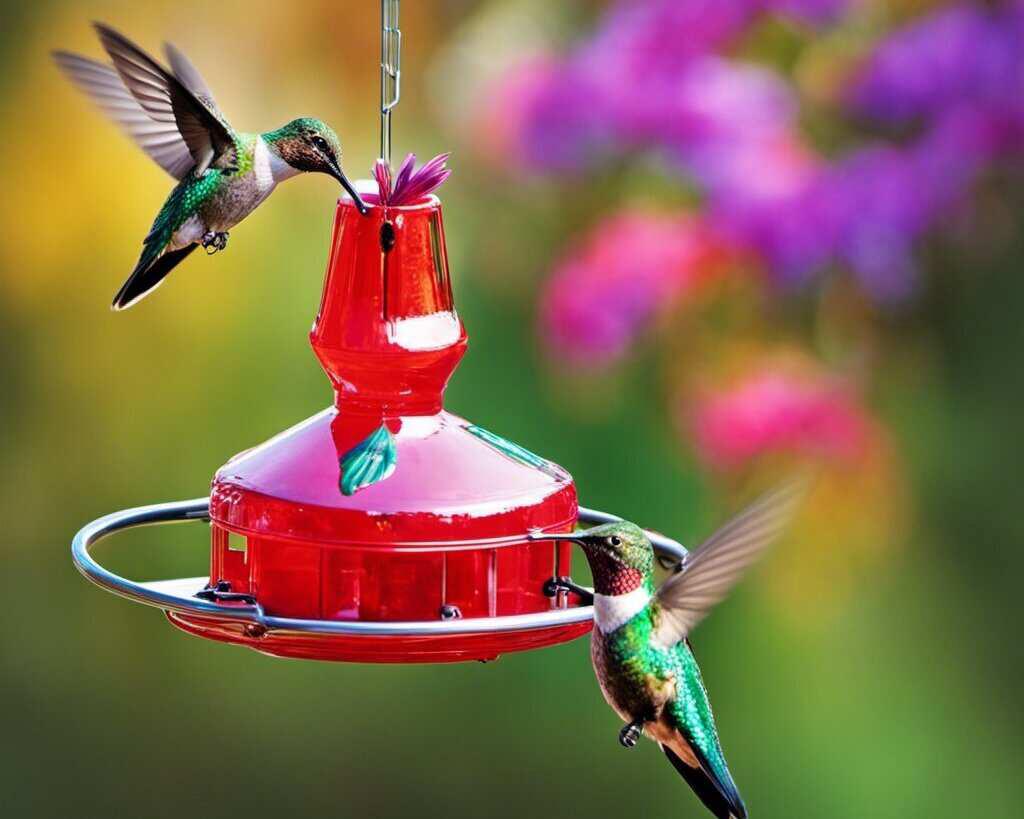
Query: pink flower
[[775, 410], [628, 271]]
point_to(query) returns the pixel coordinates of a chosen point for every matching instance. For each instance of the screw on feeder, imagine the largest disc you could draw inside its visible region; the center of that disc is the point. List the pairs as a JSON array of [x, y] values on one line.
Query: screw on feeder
[[221, 592], [450, 612]]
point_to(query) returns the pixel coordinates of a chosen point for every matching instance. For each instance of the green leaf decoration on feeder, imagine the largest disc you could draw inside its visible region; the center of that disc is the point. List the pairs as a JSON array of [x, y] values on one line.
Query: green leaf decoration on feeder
[[510, 449], [371, 460]]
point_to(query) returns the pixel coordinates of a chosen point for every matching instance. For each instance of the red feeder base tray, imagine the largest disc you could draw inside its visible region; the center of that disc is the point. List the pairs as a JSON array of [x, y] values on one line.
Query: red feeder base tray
[[241, 623]]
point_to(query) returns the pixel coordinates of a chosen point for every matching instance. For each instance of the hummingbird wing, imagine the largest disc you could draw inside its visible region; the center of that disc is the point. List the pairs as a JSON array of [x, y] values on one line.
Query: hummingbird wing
[[713, 568], [189, 75], [161, 140], [166, 99]]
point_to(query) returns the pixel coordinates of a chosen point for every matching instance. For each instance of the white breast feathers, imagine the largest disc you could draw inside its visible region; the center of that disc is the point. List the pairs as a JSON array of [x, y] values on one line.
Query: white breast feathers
[[612, 611], [269, 168]]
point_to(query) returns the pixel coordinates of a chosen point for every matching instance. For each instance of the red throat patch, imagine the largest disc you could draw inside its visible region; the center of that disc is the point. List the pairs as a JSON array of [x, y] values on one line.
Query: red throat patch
[[611, 577]]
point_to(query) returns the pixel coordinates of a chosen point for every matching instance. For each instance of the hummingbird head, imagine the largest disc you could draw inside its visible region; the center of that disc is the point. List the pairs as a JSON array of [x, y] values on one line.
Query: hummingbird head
[[309, 145], [620, 555]]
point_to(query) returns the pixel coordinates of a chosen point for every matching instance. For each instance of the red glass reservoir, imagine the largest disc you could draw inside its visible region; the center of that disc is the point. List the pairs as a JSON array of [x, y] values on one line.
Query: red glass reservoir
[[385, 507]]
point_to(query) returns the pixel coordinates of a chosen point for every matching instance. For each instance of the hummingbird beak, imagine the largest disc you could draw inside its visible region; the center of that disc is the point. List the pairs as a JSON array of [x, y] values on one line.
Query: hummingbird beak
[[557, 537], [337, 173]]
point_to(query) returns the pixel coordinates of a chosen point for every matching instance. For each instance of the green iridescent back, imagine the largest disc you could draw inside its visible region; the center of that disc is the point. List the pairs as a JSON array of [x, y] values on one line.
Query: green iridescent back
[[192, 192], [185, 200]]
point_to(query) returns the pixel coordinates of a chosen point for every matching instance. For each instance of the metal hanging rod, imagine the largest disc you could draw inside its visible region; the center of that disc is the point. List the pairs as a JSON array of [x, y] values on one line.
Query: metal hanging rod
[[390, 71]]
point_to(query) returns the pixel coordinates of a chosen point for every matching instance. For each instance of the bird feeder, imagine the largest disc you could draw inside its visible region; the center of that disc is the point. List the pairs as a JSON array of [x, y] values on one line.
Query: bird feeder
[[383, 529]]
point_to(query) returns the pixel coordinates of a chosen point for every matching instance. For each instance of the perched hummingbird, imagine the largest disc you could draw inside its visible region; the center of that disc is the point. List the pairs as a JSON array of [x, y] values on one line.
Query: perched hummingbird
[[639, 646], [223, 174]]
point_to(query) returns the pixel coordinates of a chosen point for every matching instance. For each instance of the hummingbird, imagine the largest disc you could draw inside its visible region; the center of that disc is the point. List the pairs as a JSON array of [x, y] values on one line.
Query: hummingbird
[[640, 648], [223, 174]]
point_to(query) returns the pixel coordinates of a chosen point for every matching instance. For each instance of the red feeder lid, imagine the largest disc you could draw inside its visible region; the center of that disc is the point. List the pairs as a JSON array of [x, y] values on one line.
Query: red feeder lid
[[385, 507]]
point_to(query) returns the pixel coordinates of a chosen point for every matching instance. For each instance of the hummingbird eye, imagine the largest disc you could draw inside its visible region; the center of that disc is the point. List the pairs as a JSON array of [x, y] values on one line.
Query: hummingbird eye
[[615, 540], [321, 143]]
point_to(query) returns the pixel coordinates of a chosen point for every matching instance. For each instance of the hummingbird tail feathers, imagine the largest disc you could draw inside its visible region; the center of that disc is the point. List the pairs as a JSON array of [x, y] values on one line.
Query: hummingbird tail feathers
[[148, 273], [719, 794]]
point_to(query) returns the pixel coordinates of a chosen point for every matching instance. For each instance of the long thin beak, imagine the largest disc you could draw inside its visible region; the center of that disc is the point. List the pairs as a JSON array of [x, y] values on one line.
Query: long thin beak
[[337, 173], [557, 537]]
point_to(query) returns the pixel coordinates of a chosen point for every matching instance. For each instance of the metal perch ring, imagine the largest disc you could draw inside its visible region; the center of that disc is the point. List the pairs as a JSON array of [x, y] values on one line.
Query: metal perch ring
[[174, 595]]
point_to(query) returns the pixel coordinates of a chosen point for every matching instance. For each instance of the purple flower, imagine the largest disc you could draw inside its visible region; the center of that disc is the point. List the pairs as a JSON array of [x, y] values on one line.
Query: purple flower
[[647, 78], [543, 117], [722, 122], [650, 74], [867, 211], [652, 77], [638, 38], [660, 37], [562, 129], [961, 54], [411, 184], [792, 231]]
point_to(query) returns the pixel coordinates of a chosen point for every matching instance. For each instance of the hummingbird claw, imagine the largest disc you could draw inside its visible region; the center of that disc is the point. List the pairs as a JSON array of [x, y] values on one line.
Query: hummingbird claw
[[629, 734], [553, 586], [213, 242]]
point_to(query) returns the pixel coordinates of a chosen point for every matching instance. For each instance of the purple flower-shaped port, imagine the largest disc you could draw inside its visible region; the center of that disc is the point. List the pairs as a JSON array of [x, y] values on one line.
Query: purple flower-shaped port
[[410, 184]]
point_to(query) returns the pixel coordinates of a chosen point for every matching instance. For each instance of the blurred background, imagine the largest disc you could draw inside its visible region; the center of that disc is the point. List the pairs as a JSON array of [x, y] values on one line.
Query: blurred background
[[696, 243]]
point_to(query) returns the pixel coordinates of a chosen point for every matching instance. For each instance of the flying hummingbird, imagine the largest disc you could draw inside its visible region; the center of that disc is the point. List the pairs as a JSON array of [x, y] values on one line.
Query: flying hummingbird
[[640, 648], [223, 174]]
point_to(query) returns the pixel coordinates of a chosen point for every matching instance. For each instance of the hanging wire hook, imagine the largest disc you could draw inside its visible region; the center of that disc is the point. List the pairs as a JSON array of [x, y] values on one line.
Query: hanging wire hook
[[390, 71]]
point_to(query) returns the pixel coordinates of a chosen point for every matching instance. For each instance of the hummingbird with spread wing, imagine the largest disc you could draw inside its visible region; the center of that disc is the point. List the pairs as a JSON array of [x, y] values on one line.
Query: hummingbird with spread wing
[[223, 174], [640, 644]]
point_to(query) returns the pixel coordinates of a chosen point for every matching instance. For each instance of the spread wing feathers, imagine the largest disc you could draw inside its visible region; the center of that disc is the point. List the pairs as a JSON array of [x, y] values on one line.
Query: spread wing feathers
[[160, 140], [721, 799], [166, 99], [712, 569], [148, 273], [189, 75]]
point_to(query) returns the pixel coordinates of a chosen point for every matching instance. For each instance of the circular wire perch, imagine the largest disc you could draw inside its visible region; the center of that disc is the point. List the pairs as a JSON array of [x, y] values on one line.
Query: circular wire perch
[[241, 618]]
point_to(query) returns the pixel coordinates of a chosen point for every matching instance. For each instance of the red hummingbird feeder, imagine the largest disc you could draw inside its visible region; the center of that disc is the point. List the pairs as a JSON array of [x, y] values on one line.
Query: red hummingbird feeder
[[382, 529], [431, 524]]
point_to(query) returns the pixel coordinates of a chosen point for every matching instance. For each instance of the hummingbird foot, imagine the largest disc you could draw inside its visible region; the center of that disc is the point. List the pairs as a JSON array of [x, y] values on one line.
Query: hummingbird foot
[[555, 585], [214, 242], [629, 734]]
